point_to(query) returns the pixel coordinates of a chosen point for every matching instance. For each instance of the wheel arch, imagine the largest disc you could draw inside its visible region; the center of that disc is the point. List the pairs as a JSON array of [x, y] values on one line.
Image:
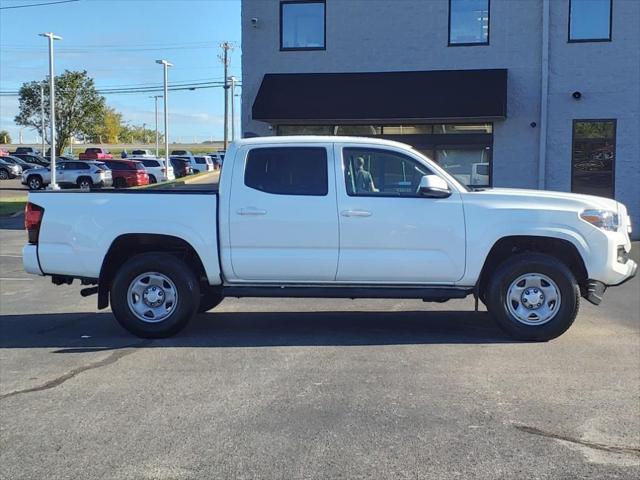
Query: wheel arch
[[561, 249], [128, 245]]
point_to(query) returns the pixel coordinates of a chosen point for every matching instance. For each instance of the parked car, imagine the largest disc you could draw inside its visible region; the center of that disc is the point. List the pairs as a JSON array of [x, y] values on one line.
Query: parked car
[[390, 224], [203, 164], [27, 150], [18, 161], [80, 174], [128, 173], [181, 166], [156, 169], [218, 158], [181, 153], [9, 170], [95, 154], [34, 159], [142, 153]]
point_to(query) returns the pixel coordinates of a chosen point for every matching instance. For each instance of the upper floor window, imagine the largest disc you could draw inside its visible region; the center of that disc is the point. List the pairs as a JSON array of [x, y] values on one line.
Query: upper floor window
[[469, 22], [302, 25], [589, 20]]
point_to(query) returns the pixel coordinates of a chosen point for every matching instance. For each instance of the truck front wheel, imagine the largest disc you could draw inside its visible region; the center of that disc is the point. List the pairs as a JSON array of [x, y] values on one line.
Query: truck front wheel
[[533, 297], [154, 295]]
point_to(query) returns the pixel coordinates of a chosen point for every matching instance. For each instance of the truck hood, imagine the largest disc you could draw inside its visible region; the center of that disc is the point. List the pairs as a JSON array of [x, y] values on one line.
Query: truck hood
[[552, 199]]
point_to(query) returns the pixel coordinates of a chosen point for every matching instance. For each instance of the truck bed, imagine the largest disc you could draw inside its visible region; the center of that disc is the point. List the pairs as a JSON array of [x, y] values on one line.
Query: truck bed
[[79, 228]]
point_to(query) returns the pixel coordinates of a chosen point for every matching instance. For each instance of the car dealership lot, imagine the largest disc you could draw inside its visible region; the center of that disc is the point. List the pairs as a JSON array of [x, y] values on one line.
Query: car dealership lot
[[265, 388]]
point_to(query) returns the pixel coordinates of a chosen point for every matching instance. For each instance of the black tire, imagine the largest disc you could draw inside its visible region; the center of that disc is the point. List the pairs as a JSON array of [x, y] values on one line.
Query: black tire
[[4, 174], [208, 301], [179, 273], [34, 182], [152, 179], [533, 263], [119, 183], [85, 182]]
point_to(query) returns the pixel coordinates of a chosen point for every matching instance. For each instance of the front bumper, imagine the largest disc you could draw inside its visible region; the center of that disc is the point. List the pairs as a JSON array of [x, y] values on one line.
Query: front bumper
[[594, 289]]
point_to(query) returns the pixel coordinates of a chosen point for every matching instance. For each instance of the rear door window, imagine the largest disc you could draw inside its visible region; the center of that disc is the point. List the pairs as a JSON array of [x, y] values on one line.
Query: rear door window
[[288, 170]]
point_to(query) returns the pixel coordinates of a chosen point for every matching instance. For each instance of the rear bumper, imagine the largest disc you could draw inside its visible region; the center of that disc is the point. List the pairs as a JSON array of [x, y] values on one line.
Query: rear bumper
[[30, 260]]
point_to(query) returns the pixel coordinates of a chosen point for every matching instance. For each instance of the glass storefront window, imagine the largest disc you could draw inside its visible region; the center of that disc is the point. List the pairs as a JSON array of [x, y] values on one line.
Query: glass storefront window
[[470, 166], [463, 128], [305, 130], [593, 157], [407, 129], [358, 130]]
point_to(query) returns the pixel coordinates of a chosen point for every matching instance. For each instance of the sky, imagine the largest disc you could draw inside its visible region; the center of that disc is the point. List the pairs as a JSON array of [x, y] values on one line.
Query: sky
[[117, 43]]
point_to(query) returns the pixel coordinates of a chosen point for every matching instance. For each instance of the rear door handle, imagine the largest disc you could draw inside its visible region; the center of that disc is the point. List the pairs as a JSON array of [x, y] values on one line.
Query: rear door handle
[[355, 213], [251, 211]]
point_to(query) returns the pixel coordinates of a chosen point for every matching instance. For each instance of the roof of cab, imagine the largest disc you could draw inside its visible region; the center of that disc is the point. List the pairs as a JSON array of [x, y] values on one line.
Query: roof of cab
[[277, 140]]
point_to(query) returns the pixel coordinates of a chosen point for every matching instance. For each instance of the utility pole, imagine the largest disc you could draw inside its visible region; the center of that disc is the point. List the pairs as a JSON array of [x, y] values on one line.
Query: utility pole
[[144, 132], [156, 97], [52, 113], [224, 57], [44, 150], [165, 64], [233, 114]]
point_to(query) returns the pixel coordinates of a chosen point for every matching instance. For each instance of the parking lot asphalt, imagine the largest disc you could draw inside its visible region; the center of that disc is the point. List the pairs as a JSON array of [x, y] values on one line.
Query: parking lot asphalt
[[287, 389]]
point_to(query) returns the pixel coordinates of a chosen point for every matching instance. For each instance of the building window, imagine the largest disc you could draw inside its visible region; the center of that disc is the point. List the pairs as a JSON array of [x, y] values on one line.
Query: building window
[[288, 170], [593, 157], [302, 25], [590, 20], [469, 22]]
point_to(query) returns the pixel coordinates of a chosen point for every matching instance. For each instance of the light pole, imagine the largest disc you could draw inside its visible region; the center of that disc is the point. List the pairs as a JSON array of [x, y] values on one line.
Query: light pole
[[42, 117], [165, 64], [52, 109], [233, 114], [156, 97]]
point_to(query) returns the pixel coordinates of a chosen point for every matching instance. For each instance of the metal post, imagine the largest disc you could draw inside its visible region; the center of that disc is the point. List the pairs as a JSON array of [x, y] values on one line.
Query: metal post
[[226, 46], [233, 114], [44, 149], [166, 66], [155, 97], [52, 109]]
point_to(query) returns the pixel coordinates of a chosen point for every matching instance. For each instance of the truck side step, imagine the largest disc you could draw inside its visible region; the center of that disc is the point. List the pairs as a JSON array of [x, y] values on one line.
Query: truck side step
[[428, 294]]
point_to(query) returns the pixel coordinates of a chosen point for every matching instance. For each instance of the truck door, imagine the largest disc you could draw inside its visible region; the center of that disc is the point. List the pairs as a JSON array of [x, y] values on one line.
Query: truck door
[[283, 223], [389, 233]]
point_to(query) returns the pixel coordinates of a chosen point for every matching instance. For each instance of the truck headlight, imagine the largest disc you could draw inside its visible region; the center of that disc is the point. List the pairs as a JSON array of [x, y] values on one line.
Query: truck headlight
[[603, 219]]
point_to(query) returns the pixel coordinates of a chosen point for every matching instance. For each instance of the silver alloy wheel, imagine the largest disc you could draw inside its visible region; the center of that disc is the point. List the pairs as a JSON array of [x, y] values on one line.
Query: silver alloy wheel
[[85, 184], [533, 299], [152, 297], [34, 183]]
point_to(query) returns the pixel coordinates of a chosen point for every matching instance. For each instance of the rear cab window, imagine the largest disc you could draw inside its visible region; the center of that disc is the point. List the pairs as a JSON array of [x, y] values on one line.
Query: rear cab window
[[287, 170]]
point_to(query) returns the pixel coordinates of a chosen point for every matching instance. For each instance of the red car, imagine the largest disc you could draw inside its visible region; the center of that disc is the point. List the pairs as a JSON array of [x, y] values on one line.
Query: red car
[[95, 154], [127, 173]]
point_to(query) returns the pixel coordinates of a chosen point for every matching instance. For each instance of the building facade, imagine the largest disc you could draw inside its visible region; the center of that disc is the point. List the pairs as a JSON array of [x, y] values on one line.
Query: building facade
[[505, 93]]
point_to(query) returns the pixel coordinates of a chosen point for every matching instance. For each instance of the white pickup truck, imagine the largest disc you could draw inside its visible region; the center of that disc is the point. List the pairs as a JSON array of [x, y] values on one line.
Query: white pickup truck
[[331, 217]]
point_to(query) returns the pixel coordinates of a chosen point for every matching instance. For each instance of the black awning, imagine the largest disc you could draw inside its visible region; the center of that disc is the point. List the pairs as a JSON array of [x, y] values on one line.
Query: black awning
[[438, 94]]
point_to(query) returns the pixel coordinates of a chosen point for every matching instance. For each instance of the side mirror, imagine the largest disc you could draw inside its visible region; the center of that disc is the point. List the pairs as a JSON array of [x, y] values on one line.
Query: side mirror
[[432, 186]]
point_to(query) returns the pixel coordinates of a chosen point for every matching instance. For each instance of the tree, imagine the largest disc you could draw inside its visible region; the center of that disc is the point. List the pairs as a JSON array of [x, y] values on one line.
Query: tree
[[4, 137], [79, 107]]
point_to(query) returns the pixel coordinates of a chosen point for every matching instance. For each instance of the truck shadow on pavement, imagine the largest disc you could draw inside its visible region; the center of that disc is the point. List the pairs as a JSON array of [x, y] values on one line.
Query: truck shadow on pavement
[[85, 332]]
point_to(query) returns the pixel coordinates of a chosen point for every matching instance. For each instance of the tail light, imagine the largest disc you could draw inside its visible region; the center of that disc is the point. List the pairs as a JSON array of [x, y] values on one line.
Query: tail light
[[32, 219]]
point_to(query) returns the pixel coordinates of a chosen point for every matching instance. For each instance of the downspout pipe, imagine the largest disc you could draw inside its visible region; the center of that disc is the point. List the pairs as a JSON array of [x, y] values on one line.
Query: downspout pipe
[[544, 97]]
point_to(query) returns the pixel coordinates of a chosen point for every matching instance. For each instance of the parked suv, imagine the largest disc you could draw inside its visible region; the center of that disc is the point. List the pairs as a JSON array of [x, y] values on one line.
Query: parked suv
[[128, 173], [32, 158], [181, 166], [70, 174], [27, 150], [9, 170], [203, 164], [156, 169]]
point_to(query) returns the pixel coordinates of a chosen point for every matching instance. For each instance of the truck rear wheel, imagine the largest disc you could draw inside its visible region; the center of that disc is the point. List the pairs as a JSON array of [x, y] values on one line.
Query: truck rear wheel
[[154, 295], [533, 297]]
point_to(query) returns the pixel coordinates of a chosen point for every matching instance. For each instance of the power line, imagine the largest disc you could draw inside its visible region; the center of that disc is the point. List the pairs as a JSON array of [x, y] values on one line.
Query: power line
[[39, 4]]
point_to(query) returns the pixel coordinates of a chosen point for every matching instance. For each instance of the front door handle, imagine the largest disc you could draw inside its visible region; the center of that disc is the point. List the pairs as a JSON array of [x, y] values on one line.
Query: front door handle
[[355, 213], [251, 211]]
